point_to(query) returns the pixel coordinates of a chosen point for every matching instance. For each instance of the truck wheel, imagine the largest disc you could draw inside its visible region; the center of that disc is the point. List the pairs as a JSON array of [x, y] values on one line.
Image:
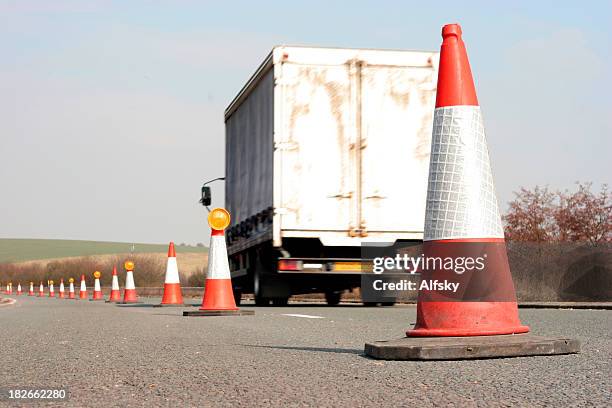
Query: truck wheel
[[260, 300], [387, 304], [280, 301], [237, 296], [333, 298]]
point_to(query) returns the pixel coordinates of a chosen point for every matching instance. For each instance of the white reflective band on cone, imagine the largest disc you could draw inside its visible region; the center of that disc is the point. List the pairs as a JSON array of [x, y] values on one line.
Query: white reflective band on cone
[[218, 266], [115, 283], [71, 287], [461, 200], [129, 280], [61, 287], [83, 286], [172, 275], [97, 285]]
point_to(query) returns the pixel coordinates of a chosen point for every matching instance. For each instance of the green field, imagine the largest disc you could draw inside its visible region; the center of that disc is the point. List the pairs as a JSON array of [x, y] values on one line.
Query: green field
[[18, 250]]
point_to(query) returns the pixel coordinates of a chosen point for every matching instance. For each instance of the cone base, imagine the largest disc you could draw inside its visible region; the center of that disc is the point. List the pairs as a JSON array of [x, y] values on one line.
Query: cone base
[[218, 295], [453, 319], [466, 332], [129, 296], [219, 313], [462, 348], [172, 294], [172, 305]]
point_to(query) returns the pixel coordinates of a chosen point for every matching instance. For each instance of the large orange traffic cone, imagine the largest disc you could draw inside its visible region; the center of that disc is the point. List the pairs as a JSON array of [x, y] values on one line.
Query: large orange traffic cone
[[31, 291], [129, 293], [462, 218], [83, 289], [218, 294], [71, 294], [62, 289], [466, 304], [97, 294], [115, 293], [41, 290], [172, 285]]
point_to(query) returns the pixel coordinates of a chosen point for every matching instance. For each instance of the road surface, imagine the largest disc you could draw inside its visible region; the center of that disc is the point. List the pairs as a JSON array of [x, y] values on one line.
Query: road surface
[[301, 355]]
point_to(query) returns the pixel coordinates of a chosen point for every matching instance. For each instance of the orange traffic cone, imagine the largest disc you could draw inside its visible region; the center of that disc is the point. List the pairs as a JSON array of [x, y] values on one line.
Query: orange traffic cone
[[10, 288], [129, 293], [62, 290], [83, 290], [31, 291], [115, 294], [466, 303], [51, 289], [462, 218], [71, 294], [172, 285], [19, 292], [218, 294], [41, 290], [97, 294]]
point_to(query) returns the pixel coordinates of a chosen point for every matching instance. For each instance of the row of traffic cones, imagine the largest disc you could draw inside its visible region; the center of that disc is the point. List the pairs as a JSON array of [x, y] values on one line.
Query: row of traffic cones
[[218, 296], [129, 294]]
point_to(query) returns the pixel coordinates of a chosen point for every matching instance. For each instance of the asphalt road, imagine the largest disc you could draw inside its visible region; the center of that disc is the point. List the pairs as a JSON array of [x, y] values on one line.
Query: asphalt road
[[130, 356]]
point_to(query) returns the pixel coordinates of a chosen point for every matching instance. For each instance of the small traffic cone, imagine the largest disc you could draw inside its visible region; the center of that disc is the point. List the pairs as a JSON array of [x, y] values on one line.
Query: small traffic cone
[[83, 289], [41, 290], [31, 291], [129, 293], [115, 293], [10, 288], [463, 230], [62, 293], [172, 286], [19, 292], [97, 294], [51, 289], [71, 294], [218, 297]]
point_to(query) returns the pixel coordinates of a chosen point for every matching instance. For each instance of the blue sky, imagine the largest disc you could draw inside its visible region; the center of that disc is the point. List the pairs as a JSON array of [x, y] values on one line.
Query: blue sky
[[111, 113]]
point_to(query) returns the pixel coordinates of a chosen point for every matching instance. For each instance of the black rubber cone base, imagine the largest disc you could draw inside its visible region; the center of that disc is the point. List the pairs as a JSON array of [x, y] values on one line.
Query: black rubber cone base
[[174, 305], [461, 348], [218, 313]]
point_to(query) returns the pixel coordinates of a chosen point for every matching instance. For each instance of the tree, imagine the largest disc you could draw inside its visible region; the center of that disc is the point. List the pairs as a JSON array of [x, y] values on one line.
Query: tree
[[584, 216], [541, 215], [530, 216]]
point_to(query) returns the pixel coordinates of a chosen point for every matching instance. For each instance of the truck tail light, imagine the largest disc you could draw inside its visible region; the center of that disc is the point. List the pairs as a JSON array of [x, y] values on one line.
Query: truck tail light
[[289, 265]]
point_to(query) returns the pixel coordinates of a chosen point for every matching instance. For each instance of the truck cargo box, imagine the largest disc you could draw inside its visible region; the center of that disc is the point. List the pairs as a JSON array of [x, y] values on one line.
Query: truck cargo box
[[331, 144]]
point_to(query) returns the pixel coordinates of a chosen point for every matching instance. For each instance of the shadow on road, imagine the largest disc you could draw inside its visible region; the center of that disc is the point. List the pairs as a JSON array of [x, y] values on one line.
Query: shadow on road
[[316, 349]]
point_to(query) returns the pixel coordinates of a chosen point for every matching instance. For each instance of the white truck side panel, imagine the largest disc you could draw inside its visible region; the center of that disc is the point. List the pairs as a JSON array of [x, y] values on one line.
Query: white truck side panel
[[249, 153]]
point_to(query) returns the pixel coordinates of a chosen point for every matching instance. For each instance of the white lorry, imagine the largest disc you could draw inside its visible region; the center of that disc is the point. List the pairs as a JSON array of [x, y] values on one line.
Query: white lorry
[[326, 148]]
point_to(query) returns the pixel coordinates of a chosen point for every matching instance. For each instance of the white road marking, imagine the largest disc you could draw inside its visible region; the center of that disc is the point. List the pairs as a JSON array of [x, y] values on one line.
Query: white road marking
[[302, 315]]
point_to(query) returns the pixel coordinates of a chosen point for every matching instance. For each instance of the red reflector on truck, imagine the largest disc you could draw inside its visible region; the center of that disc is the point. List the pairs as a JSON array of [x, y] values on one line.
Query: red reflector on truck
[[289, 265]]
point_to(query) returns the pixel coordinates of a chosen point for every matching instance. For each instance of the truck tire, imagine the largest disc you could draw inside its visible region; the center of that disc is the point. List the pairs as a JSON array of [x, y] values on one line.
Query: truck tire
[[333, 298], [280, 301], [237, 296], [258, 283]]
